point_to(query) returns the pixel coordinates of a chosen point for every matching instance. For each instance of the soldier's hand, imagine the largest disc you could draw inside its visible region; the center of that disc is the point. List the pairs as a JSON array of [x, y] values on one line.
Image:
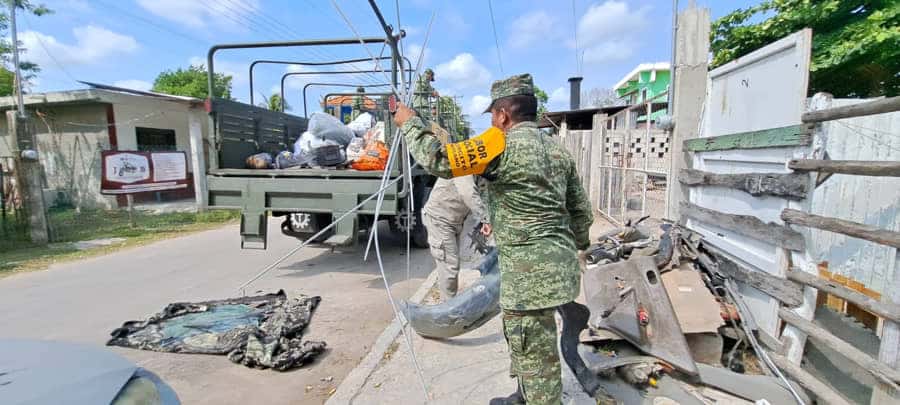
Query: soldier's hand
[[403, 114], [486, 229]]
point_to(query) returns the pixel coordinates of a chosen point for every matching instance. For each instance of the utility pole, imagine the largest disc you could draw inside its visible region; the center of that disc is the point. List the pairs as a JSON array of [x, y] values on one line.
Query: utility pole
[[27, 161]]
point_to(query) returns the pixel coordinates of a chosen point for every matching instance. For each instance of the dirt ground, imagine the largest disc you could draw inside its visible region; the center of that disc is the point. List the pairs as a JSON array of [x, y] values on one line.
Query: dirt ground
[[83, 301]]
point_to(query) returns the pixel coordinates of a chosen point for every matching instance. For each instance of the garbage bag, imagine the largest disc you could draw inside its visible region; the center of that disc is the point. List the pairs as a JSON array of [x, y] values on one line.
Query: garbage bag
[[259, 161], [362, 124], [329, 155], [374, 157], [375, 134], [308, 142], [326, 127], [355, 149]]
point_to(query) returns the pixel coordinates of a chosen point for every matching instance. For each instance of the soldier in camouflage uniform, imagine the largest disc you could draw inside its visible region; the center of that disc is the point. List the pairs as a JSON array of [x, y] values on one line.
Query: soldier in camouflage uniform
[[424, 90], [358, 102], [541, 218]]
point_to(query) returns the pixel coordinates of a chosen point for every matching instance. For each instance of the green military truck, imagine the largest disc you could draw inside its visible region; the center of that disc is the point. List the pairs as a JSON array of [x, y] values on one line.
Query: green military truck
[[308, 199]]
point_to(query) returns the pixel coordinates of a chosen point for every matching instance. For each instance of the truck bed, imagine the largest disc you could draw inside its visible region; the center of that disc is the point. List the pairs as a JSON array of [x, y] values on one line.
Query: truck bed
[[308, 172]]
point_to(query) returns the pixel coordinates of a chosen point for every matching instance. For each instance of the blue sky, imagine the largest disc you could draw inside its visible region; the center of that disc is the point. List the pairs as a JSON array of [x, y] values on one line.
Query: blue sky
[[128, 42]]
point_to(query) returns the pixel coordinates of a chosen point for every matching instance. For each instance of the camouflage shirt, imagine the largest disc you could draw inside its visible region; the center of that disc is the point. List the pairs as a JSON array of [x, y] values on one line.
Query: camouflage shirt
[[540, 212], [421, 94]]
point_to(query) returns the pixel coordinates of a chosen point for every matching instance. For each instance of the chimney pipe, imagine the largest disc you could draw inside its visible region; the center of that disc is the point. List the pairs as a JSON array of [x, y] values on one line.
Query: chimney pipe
[[574, 93]]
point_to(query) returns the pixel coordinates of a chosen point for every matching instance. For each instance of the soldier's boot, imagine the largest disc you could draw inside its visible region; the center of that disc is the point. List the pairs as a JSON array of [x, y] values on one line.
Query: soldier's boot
[[514, 399]]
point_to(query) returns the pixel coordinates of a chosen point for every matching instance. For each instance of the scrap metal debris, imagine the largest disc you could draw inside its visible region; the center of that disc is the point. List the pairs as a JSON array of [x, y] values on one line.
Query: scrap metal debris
[[264, 331]]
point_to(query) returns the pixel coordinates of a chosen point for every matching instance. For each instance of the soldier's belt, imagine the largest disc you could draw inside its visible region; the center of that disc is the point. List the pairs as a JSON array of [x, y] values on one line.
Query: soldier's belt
[[473, 155]]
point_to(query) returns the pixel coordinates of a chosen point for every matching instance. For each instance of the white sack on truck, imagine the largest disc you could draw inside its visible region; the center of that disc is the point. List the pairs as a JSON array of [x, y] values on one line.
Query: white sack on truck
[[361, 124], [308, 142], [326, 127]]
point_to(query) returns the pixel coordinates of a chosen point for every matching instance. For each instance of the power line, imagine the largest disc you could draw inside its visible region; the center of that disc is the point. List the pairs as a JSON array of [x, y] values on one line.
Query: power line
[[289, 33], [37, 35], [151, 23], [496, 39]]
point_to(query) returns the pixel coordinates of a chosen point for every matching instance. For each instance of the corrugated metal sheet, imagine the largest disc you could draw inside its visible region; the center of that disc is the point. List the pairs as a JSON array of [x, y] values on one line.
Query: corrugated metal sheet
[[869, 200]]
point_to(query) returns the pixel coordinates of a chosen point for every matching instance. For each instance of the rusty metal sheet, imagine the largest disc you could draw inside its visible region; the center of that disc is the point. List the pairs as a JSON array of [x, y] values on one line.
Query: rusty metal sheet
[[610, 291]]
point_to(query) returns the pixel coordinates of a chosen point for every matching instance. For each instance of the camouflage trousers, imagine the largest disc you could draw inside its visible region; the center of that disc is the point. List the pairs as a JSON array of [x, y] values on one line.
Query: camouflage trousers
[[443, 239], [531, 336]]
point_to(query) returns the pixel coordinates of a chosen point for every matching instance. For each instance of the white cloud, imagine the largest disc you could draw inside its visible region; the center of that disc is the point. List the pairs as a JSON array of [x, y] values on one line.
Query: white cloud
[[476, 104], [532, 29], [607, 31], [92, 45], [462, 72], [198, 14], [558, 99], [134, 84]]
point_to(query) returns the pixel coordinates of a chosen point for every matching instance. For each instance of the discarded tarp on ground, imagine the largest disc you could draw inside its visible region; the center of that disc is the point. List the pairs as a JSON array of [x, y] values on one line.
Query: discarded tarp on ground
[[264, 331]]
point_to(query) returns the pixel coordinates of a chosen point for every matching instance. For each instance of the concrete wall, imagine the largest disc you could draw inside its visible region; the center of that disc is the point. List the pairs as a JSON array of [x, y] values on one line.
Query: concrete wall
[[69, 141], [70, 138], [147, 112]]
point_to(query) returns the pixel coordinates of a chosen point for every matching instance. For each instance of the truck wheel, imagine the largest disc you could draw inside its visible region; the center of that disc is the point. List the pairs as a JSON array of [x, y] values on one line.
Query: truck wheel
[[419, 234]]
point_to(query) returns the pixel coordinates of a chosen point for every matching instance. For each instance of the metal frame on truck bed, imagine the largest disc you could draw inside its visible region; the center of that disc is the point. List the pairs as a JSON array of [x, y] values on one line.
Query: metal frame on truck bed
[[310, 198]]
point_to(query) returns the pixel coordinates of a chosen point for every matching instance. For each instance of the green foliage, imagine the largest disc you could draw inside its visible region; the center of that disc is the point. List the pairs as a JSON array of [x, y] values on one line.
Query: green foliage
[[192, 82], [856, 43], [6, 82], [453, 119], [274, 103], [542, 102], [28, 69]]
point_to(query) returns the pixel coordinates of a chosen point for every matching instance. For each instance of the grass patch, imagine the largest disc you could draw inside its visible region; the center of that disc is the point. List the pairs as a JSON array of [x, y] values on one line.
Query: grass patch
[[17, 253]]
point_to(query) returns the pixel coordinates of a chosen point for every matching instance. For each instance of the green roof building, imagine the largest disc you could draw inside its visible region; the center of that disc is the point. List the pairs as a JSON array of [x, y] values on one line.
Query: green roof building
[[648, 82]]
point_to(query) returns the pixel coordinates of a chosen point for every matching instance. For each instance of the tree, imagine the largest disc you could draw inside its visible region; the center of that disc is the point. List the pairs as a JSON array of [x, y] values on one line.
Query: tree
[[453, 118], [192, 82], [542, 102], [273, 103], [28, 69], [602, 97], [855, 49]]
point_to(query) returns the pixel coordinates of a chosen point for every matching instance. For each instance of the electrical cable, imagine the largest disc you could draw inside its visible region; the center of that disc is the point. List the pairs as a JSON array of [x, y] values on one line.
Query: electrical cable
[[496, 38], [746, 322], [288, 33]]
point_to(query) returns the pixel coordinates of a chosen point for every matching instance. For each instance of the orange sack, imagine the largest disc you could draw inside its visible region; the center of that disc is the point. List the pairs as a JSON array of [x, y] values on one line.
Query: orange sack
[[374, 157]]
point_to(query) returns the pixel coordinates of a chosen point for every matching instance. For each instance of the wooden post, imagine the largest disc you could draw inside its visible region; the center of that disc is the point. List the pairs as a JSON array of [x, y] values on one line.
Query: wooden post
[[198, 162], [889, 351], [29, 178], [692, 51], [598, 143], [130, 200], [880, 106]]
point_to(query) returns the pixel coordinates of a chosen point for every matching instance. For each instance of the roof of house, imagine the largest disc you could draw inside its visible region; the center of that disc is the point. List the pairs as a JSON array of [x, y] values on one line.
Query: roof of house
[[576, 119], [348, 100], [643, 67], [97, 93]]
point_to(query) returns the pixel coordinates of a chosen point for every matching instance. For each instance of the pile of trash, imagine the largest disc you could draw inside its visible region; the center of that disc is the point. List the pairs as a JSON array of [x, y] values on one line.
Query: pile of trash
[[327, 142], [263, 331], [659, 321]]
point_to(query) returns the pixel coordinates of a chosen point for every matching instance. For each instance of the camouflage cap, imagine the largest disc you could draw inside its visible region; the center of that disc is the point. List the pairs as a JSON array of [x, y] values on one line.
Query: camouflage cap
[[518, 85]]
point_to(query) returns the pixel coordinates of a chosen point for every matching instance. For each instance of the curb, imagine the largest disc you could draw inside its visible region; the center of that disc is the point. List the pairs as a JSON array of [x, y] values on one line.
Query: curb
[[360, 374]]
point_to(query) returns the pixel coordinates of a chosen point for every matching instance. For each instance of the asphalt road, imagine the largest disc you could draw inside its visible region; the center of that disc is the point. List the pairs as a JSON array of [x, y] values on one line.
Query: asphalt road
[[83, 301]]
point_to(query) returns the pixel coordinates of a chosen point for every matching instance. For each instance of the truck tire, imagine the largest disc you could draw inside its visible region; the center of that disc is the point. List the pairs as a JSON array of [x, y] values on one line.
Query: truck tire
[[419, 234]]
